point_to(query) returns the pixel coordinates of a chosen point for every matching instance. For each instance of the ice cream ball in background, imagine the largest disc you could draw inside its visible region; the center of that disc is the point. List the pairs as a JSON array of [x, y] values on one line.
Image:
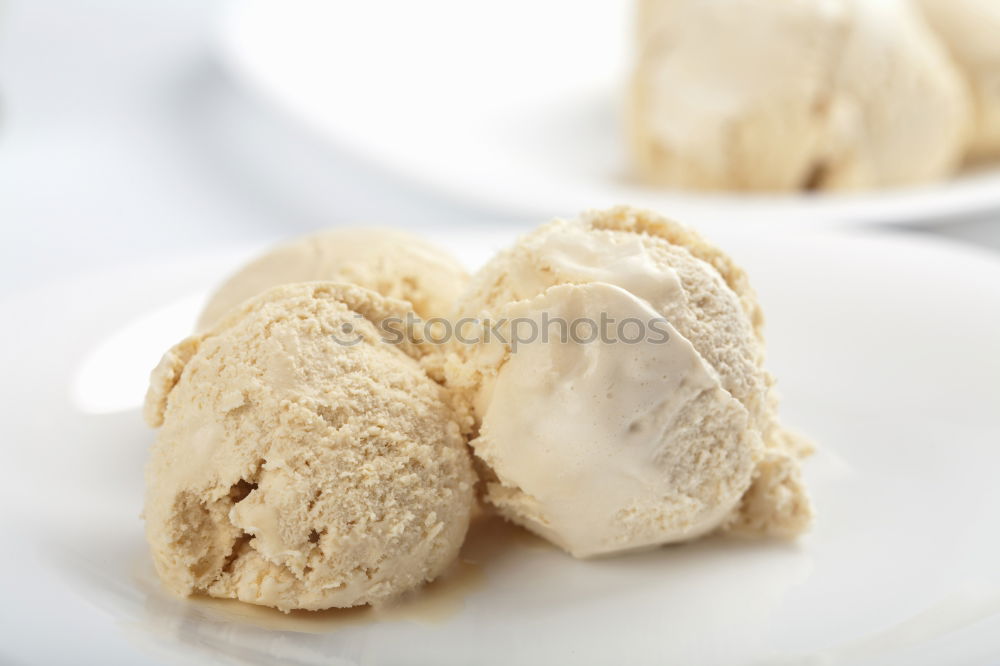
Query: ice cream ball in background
[[603, 446], [792, 94], [393, 263], [970, 29], [302, 462]]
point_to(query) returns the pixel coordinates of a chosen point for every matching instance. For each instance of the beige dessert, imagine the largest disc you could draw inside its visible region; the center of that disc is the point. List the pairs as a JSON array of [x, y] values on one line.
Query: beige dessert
[[792, 95], [971, 31], [625, 442], [393, 263], [295, 471]]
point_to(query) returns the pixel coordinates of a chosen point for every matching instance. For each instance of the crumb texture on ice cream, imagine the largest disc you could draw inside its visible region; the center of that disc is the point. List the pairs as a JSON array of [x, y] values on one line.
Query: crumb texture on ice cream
[[610, 446], [393, 263], [290, 470], [793, 94]]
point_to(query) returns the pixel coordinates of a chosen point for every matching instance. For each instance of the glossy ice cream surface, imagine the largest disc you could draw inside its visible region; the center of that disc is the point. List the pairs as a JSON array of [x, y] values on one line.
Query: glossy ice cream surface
[[605, 446]]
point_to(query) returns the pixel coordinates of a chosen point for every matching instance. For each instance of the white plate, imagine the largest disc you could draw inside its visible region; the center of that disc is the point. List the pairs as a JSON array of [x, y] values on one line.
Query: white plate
[[888, 353], [509, 105]]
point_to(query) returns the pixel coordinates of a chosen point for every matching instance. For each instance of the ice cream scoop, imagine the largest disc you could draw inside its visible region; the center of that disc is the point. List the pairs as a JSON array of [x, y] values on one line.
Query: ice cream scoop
[[971, 31], [659, 428], [792, 95], [393, 263], [301, 461]]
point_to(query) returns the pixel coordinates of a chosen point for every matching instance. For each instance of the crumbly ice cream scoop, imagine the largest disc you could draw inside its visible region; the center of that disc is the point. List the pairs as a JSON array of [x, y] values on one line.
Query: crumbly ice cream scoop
[[791, 95], [646, 416], [971, 31], [297, 471], [393, 263]]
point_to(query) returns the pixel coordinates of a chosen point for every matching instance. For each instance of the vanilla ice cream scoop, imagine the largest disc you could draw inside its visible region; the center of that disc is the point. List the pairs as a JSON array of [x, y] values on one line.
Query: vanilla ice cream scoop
[[792, 94], [971, 31], [302, 461], [646, 415], [393, 263]]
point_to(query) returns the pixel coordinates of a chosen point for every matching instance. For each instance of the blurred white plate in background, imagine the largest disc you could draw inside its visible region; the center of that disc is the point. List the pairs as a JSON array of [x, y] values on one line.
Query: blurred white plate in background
[[510, 105], [891, 366]]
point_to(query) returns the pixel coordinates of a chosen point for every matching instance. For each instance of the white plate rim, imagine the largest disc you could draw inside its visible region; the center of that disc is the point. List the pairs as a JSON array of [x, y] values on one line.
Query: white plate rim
[[239, 50]]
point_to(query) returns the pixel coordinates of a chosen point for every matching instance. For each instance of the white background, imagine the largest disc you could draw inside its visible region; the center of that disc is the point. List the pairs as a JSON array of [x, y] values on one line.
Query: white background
[[122, 139]]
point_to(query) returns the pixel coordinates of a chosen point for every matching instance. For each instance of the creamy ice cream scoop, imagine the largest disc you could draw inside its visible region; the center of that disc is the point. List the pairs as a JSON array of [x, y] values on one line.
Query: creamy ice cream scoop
[[393, 263], [300, 460], [792, 94], [646, 416], [971, 31]]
